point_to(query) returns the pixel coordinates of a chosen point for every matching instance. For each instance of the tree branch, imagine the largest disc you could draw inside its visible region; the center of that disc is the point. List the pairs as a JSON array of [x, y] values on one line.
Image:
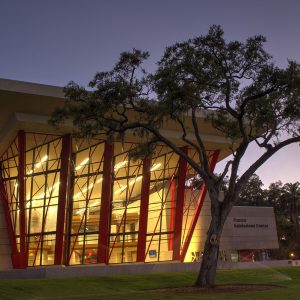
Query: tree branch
[[259, 162], [202, 152]]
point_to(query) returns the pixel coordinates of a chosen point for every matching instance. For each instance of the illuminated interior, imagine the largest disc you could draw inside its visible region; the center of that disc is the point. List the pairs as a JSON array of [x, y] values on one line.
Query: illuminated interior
[[81, 222]]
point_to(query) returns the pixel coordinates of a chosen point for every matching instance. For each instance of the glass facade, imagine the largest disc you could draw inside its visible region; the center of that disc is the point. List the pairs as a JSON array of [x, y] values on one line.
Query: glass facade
[[87, 177], [160, 227], [42, 185]]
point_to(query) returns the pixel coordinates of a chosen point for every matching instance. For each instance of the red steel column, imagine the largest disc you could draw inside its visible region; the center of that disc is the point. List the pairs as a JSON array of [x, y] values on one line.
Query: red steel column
[[143, 218], [203, 192], [104, 222], [22, 197], [65, 160], [182, 169], [9, 225], [172, 214]]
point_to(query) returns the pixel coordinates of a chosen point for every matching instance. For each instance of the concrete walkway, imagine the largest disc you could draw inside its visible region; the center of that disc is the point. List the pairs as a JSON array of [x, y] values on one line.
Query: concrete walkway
[[136, 268]]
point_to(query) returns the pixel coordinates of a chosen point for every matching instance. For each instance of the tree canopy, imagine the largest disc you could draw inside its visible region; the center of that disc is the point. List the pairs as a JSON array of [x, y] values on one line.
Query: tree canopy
[[235, 85]]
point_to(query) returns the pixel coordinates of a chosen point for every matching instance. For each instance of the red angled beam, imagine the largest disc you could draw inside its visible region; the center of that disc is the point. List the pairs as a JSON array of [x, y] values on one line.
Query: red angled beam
[[172, 214], [203, 192], [143, 219], [65, 160], [182, 169], [9, 225], [104, 222], [22, 197]]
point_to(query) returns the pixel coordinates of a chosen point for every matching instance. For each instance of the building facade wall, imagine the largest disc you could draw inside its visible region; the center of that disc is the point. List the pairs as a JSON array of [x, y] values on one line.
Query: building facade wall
[[5, 247], [84, 202], [246, 228], [65, 207]]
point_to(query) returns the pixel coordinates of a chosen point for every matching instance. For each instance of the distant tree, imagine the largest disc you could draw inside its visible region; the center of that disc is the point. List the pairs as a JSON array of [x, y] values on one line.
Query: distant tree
[[285, 200], [252, 194], [235, 85], [275, 197], [291, 195]]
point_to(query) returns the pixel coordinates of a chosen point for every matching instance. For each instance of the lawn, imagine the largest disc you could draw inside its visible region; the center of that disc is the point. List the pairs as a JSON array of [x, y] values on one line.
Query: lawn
[[132, 287]]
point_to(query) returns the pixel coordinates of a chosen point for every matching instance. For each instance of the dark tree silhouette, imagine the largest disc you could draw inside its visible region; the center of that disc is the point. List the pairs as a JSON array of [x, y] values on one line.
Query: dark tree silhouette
[[235, 85]]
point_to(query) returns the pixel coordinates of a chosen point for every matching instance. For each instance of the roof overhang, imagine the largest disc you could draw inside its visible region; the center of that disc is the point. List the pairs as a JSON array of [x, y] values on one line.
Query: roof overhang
[[27, 106]]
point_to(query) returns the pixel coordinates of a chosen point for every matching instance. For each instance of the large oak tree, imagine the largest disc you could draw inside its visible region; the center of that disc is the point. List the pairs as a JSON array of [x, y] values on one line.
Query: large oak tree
[[235, 84]]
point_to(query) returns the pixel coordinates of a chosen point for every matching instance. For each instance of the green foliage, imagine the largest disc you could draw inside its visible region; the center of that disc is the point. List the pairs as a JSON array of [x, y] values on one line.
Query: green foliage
[[253, 193]]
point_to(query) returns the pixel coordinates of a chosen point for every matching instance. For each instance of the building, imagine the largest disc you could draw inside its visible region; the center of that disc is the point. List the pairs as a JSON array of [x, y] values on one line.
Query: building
[[68, 201]]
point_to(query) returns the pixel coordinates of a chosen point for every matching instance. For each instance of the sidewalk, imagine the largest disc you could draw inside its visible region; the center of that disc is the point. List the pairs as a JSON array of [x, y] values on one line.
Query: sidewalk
[[136, 268]]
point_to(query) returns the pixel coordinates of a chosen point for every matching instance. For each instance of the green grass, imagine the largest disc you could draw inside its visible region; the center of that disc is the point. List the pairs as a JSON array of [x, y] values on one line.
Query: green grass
[[132, 287]]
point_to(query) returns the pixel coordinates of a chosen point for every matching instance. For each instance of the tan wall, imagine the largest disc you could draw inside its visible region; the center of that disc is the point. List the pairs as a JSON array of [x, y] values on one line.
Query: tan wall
[[245, 228], [199, 236], [250, 228], [5, 250]]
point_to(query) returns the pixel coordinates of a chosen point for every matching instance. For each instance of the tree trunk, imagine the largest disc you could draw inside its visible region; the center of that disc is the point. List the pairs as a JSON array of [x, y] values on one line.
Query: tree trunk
[[219, 213], [207, 274]]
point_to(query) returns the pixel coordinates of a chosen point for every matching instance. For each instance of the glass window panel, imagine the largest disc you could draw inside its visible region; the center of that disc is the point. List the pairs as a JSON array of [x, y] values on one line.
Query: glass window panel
[[53, 184], [48, 249], [91, 249], [92, 222], [152, 248], [36, 219], [78, 222], [37, 187], [95, 187], [82, 162], [81, 187], [164, 252], [157, 168], [51, 217], [76, 249], [116, 256], [34, 248], [16, 220], [154, 210]]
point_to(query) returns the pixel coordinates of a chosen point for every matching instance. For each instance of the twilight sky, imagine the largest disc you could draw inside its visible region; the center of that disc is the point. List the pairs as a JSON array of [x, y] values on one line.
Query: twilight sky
[[53, 42]]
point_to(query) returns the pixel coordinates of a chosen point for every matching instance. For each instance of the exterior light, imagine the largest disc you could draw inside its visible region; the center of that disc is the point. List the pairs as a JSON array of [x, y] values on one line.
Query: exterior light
[[292, 254], [84, 162]]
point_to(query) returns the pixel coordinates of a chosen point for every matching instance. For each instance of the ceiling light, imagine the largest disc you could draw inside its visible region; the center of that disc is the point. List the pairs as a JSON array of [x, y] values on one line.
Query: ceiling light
[[44, 158], [155, 167], [131, 182], [120, 165], [84, 162]]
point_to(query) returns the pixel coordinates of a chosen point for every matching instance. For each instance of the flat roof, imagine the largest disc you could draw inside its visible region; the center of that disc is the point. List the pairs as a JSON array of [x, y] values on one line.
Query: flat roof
[[27, 106], [24, 87]]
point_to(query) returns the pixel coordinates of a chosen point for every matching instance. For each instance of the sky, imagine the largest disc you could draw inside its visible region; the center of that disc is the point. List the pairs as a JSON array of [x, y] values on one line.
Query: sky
[[53, 42]]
